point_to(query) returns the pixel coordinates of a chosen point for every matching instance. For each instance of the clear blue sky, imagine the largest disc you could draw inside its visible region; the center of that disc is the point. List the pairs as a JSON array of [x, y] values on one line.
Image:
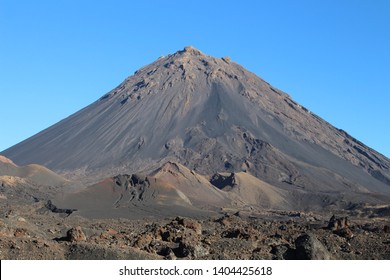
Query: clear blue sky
[[333, 57]]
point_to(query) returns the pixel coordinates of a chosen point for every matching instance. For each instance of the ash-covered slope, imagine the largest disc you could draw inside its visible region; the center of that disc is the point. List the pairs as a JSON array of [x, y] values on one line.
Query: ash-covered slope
[[22, 185], [211, 115], [33, 173]]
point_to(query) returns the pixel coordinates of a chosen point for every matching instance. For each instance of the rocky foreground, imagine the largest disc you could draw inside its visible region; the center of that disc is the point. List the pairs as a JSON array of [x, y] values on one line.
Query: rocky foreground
[[36, 232]]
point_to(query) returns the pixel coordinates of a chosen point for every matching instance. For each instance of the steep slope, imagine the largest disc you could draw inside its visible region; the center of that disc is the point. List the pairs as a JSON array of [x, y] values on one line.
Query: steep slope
[[210, 115]]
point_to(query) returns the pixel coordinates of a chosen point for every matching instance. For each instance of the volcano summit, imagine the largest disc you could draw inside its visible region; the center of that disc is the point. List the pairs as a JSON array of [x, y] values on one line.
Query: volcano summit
[[220, 121]]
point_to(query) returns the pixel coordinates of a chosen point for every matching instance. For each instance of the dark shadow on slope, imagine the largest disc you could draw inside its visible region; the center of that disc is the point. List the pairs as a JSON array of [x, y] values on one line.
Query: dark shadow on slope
[[223, 181]]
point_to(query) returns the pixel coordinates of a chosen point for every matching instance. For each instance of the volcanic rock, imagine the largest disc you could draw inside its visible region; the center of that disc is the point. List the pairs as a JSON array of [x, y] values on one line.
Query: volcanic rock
[[338, 223], [190, 223], [75, 234], [308, 247]]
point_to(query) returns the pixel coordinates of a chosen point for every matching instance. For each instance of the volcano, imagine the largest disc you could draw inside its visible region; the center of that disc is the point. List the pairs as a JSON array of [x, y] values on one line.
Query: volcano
[[218, 119]]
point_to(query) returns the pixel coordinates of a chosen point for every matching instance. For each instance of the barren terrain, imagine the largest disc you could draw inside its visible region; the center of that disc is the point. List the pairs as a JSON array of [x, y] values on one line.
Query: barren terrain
[[194, 157]]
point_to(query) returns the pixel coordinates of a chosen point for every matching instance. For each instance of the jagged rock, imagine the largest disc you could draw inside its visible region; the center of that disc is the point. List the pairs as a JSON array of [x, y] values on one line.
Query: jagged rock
[[108, 233], [337, 223], [191, 224], [228, 220], [137, 179], [223, 182], [75, 234], [144, 240], [308, 247], [340, 226]]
